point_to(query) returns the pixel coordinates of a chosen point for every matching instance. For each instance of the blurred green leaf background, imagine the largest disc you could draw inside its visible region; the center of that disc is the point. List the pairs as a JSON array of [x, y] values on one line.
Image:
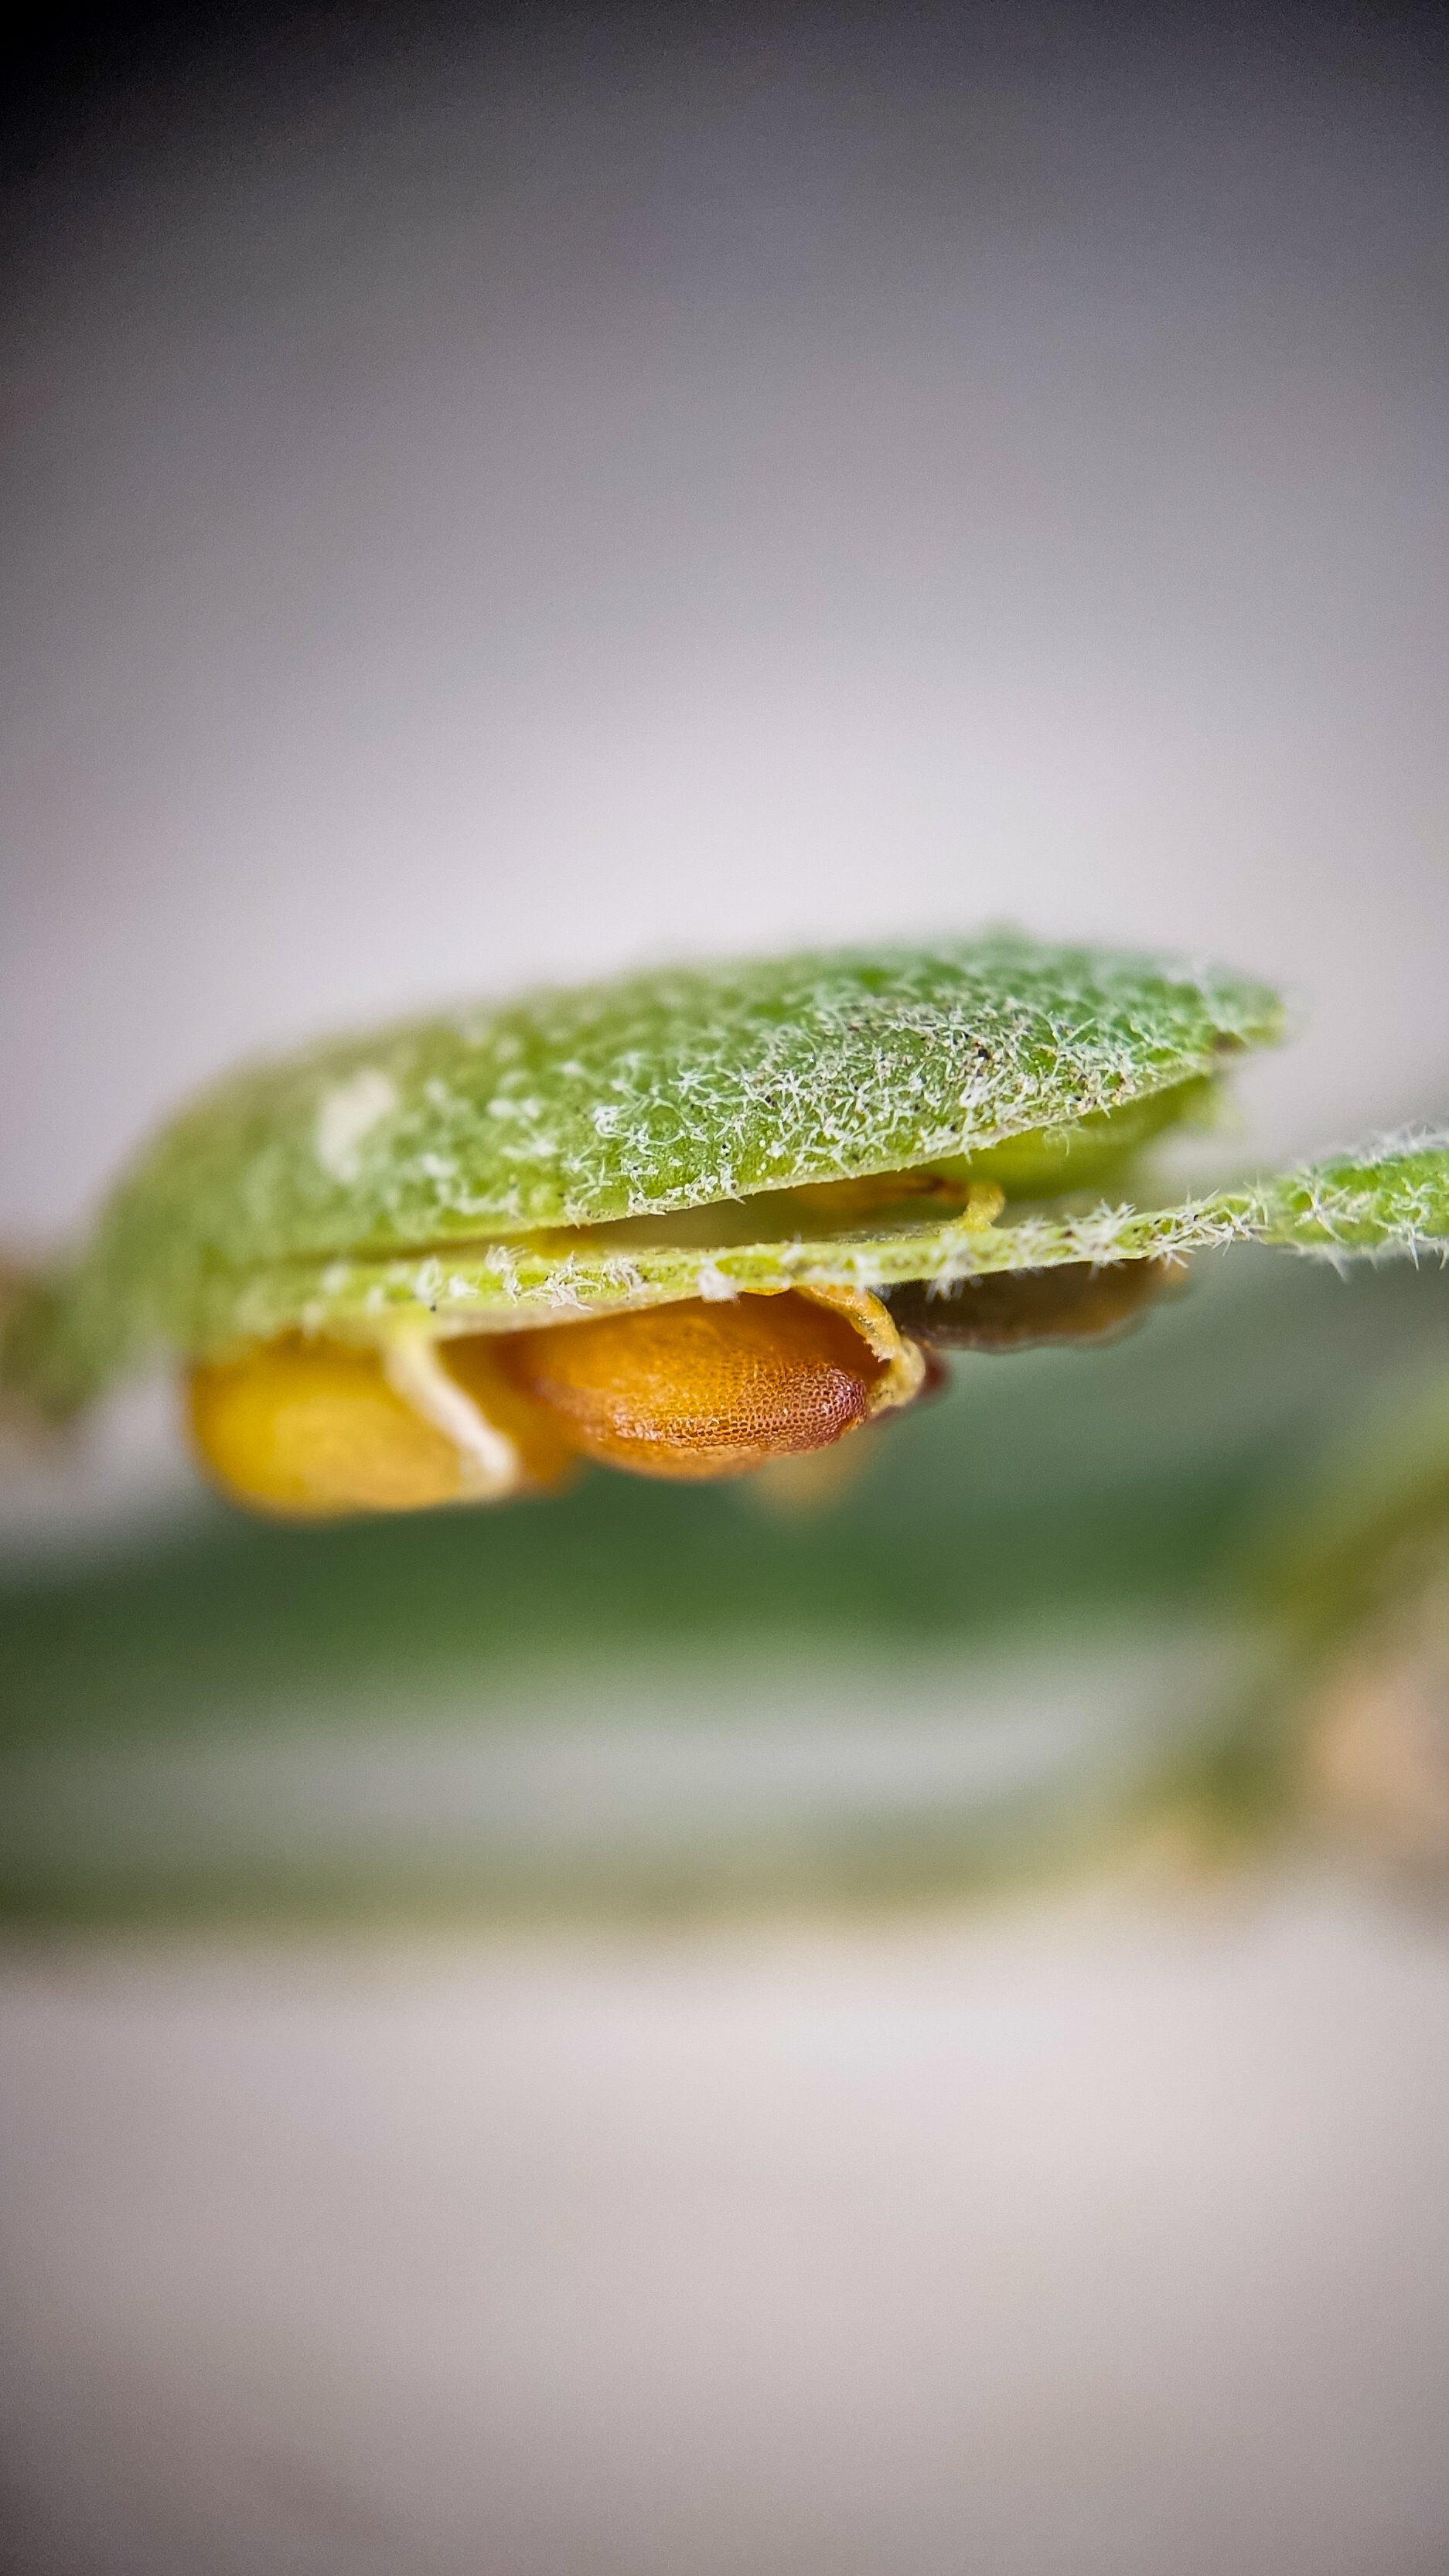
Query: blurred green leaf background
[[1037, 1613]]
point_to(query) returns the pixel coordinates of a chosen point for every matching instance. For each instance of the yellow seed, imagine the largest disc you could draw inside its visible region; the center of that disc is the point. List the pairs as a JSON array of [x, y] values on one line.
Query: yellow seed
[[312, 1430]]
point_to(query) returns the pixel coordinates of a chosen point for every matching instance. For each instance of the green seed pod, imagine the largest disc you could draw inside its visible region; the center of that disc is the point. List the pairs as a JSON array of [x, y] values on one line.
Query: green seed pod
[[833, 1125]]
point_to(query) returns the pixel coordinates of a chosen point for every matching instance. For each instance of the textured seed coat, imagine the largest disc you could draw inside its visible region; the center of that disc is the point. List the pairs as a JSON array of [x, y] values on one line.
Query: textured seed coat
[[699, 1390]]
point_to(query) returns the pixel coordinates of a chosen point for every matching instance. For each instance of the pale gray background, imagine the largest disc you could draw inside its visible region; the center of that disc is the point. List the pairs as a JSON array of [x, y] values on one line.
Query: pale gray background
[[1109, 2240]]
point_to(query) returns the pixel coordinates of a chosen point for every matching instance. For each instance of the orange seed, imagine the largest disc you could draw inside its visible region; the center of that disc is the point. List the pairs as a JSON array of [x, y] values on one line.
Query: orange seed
[[700, 1389]]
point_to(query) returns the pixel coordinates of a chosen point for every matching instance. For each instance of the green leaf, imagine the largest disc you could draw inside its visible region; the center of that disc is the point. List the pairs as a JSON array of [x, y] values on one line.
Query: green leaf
[[1392, 1197], [1393, 1200], [462, 1164]]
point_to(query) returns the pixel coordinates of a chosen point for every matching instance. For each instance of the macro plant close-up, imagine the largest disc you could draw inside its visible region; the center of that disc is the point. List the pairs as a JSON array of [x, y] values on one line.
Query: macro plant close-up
[[724, 1294], [445, 1263]]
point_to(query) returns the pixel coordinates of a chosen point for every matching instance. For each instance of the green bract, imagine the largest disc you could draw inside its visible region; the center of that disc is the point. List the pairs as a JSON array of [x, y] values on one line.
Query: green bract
[[1392, 1197], [640, 1140]]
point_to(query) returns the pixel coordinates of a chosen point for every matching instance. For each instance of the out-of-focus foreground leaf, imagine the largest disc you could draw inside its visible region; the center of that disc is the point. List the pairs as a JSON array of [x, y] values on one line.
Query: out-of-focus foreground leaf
[[1065, 1533]]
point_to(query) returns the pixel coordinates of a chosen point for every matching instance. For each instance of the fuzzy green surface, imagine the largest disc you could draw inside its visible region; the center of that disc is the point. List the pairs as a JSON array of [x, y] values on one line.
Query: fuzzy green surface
[[1393, 1201], [649, 1095], [1391, 1197], [670, 1091], [503, 1286]]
